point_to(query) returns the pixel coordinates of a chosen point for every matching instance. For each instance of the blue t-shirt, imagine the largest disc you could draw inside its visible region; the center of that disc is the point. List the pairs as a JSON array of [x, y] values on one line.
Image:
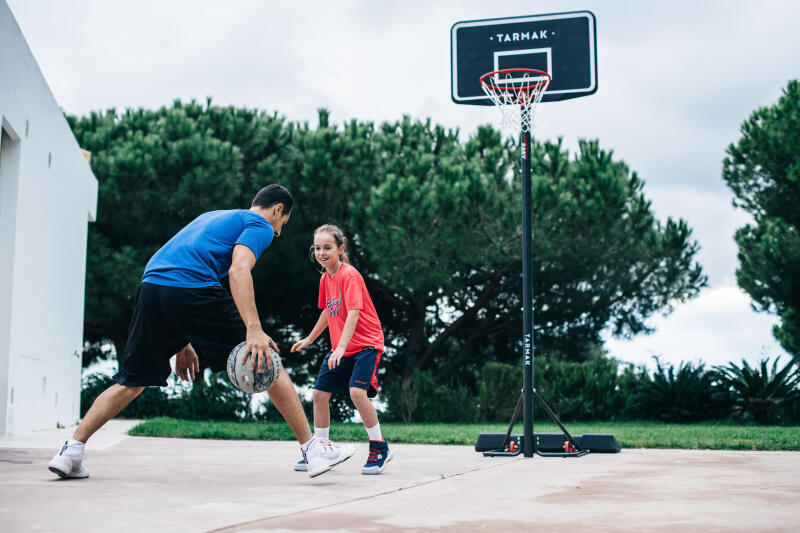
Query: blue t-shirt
[[200, 254]]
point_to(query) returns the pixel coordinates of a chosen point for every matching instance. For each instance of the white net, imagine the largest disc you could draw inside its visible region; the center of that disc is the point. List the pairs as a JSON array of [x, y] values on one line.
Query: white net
[[516, 92]]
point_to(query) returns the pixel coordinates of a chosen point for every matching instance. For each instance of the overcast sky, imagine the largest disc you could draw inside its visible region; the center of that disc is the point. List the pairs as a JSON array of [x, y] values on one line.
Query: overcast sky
[[676, 81]]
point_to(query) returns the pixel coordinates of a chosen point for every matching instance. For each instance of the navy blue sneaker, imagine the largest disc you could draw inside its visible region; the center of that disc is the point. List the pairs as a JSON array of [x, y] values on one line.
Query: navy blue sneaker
[[379, 455]]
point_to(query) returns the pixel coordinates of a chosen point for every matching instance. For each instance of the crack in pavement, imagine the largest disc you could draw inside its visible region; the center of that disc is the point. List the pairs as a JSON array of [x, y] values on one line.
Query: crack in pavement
[[255, 523]]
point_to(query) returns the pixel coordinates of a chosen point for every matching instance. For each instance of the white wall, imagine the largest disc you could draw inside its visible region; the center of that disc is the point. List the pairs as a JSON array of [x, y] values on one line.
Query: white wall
[[47, 196]]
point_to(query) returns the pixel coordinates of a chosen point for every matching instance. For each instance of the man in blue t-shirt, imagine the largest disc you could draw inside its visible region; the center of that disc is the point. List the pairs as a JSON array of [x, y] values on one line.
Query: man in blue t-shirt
[[182, 309]]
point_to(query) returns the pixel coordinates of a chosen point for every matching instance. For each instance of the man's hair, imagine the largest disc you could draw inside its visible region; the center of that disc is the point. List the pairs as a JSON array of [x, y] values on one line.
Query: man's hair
[[274, 194]]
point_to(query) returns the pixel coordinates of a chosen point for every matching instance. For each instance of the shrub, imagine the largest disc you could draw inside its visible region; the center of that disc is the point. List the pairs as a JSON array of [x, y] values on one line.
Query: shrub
[[420, 399], [499, 386], [597, 389], [152, 402], [212, 397], [685, 395], [759, 392], [577, 391]]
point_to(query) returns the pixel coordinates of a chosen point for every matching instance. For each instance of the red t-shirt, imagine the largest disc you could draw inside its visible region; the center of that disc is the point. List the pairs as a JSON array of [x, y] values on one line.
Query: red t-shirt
[[341, 293]]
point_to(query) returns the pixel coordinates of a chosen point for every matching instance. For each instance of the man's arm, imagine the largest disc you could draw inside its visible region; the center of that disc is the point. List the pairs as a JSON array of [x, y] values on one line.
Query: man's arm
[[186, 363], [241, 282]]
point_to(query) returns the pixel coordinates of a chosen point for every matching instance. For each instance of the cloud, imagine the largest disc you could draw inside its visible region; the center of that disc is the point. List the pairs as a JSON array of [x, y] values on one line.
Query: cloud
[[676, 80], [716, 328]]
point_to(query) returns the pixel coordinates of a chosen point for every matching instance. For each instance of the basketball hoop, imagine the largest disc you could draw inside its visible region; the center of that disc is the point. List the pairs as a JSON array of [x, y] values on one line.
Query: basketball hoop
[[516, 92], [570, 56]]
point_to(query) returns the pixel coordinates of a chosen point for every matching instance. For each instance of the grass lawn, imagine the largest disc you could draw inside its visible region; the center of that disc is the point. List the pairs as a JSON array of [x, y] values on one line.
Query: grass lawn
[[714, 436]]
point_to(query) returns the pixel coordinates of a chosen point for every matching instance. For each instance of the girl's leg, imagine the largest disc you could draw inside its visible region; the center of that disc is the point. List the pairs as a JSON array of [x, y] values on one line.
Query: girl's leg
[[379, 453], [322, 413], [367, 411]]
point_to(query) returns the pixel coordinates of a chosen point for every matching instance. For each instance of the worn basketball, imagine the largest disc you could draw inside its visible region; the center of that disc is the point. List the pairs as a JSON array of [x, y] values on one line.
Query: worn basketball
[[252, 381]]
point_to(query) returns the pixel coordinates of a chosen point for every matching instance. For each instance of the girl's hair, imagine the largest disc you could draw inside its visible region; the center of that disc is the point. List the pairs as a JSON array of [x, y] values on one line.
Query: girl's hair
[[337, 235]]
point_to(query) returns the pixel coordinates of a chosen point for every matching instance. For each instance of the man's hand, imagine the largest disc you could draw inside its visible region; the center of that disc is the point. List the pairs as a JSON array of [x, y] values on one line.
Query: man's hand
[[300, 345], [335, 358], [186, 363], [258, 344]]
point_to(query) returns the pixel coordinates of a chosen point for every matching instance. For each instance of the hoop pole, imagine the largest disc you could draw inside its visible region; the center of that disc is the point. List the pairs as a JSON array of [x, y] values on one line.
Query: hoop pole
[[527, 294]]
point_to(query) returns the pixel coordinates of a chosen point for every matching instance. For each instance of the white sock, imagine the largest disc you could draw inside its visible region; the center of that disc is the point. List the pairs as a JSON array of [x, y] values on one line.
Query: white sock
[[322, 433], [374, 432], [306, 445], [74, 447]]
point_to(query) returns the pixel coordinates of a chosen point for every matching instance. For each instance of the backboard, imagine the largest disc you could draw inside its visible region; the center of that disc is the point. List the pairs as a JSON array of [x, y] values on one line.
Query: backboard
[[561, 44]]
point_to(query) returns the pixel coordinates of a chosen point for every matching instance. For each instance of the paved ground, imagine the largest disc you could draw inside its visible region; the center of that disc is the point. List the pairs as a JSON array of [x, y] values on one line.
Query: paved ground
[[200, 485]]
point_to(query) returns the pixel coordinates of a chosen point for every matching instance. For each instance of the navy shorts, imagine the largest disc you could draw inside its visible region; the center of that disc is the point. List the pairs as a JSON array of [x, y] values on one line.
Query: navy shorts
[[359, 370], [165, 319]]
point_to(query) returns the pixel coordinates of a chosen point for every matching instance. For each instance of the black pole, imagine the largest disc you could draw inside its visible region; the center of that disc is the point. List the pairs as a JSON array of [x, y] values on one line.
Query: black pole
[[527, 293]]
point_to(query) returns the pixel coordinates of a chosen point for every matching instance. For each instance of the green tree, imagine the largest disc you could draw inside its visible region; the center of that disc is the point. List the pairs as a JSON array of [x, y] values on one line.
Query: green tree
[[763, 171], [447, 249], [157, 170], [434, 223]]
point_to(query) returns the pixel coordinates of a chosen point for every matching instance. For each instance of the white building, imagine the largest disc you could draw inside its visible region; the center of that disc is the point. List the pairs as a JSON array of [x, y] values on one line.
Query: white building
[[48, 195]]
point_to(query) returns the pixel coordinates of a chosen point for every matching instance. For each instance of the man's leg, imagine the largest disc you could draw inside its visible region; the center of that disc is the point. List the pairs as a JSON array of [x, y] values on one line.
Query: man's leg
[[319, 455], [68, 462], [284, 398], [105, 407]]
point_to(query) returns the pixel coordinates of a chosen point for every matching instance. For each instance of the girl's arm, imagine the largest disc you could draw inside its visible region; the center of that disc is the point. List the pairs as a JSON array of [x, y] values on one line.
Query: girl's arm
[[344, 340], [322, 323]]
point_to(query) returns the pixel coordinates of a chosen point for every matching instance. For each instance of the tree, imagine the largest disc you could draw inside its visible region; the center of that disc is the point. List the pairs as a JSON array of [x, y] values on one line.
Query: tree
[[434, 223], [157, 170], [763, 171], [436, 227]]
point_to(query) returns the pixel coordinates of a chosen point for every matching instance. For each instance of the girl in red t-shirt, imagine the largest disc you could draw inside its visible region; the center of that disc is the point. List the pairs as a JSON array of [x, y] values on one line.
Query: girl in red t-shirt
[[351, 368]]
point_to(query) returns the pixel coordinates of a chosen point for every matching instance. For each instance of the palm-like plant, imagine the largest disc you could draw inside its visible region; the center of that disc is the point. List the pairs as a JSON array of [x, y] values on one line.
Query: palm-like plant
[[683, 395], [761, 389]]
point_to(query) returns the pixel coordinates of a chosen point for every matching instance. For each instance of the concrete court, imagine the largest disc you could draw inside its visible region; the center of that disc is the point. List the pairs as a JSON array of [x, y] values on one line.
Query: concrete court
[[152, 484]]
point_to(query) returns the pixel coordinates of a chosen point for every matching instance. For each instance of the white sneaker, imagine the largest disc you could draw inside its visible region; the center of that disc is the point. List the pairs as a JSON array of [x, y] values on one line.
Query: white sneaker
[[68, 463], [322, 455]]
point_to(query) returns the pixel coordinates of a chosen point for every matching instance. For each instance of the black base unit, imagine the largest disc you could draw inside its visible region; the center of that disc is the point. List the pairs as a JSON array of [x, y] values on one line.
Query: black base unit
[[550, 442]]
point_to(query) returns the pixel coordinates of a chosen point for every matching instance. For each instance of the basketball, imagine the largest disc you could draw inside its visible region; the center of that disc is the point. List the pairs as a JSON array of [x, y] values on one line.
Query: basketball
[[252, 381]]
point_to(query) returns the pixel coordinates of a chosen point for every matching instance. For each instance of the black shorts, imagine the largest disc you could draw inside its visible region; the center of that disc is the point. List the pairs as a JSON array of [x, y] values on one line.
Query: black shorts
[[165, 319]]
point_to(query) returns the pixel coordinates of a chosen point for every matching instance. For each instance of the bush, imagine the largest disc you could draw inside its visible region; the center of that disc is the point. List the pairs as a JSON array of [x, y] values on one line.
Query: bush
[[211, 397], [420, 399], [578, 391], [686, 395], [761, 393], [596, 389], [499, 386], [591, 390], [152, 402], [267, 412]]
